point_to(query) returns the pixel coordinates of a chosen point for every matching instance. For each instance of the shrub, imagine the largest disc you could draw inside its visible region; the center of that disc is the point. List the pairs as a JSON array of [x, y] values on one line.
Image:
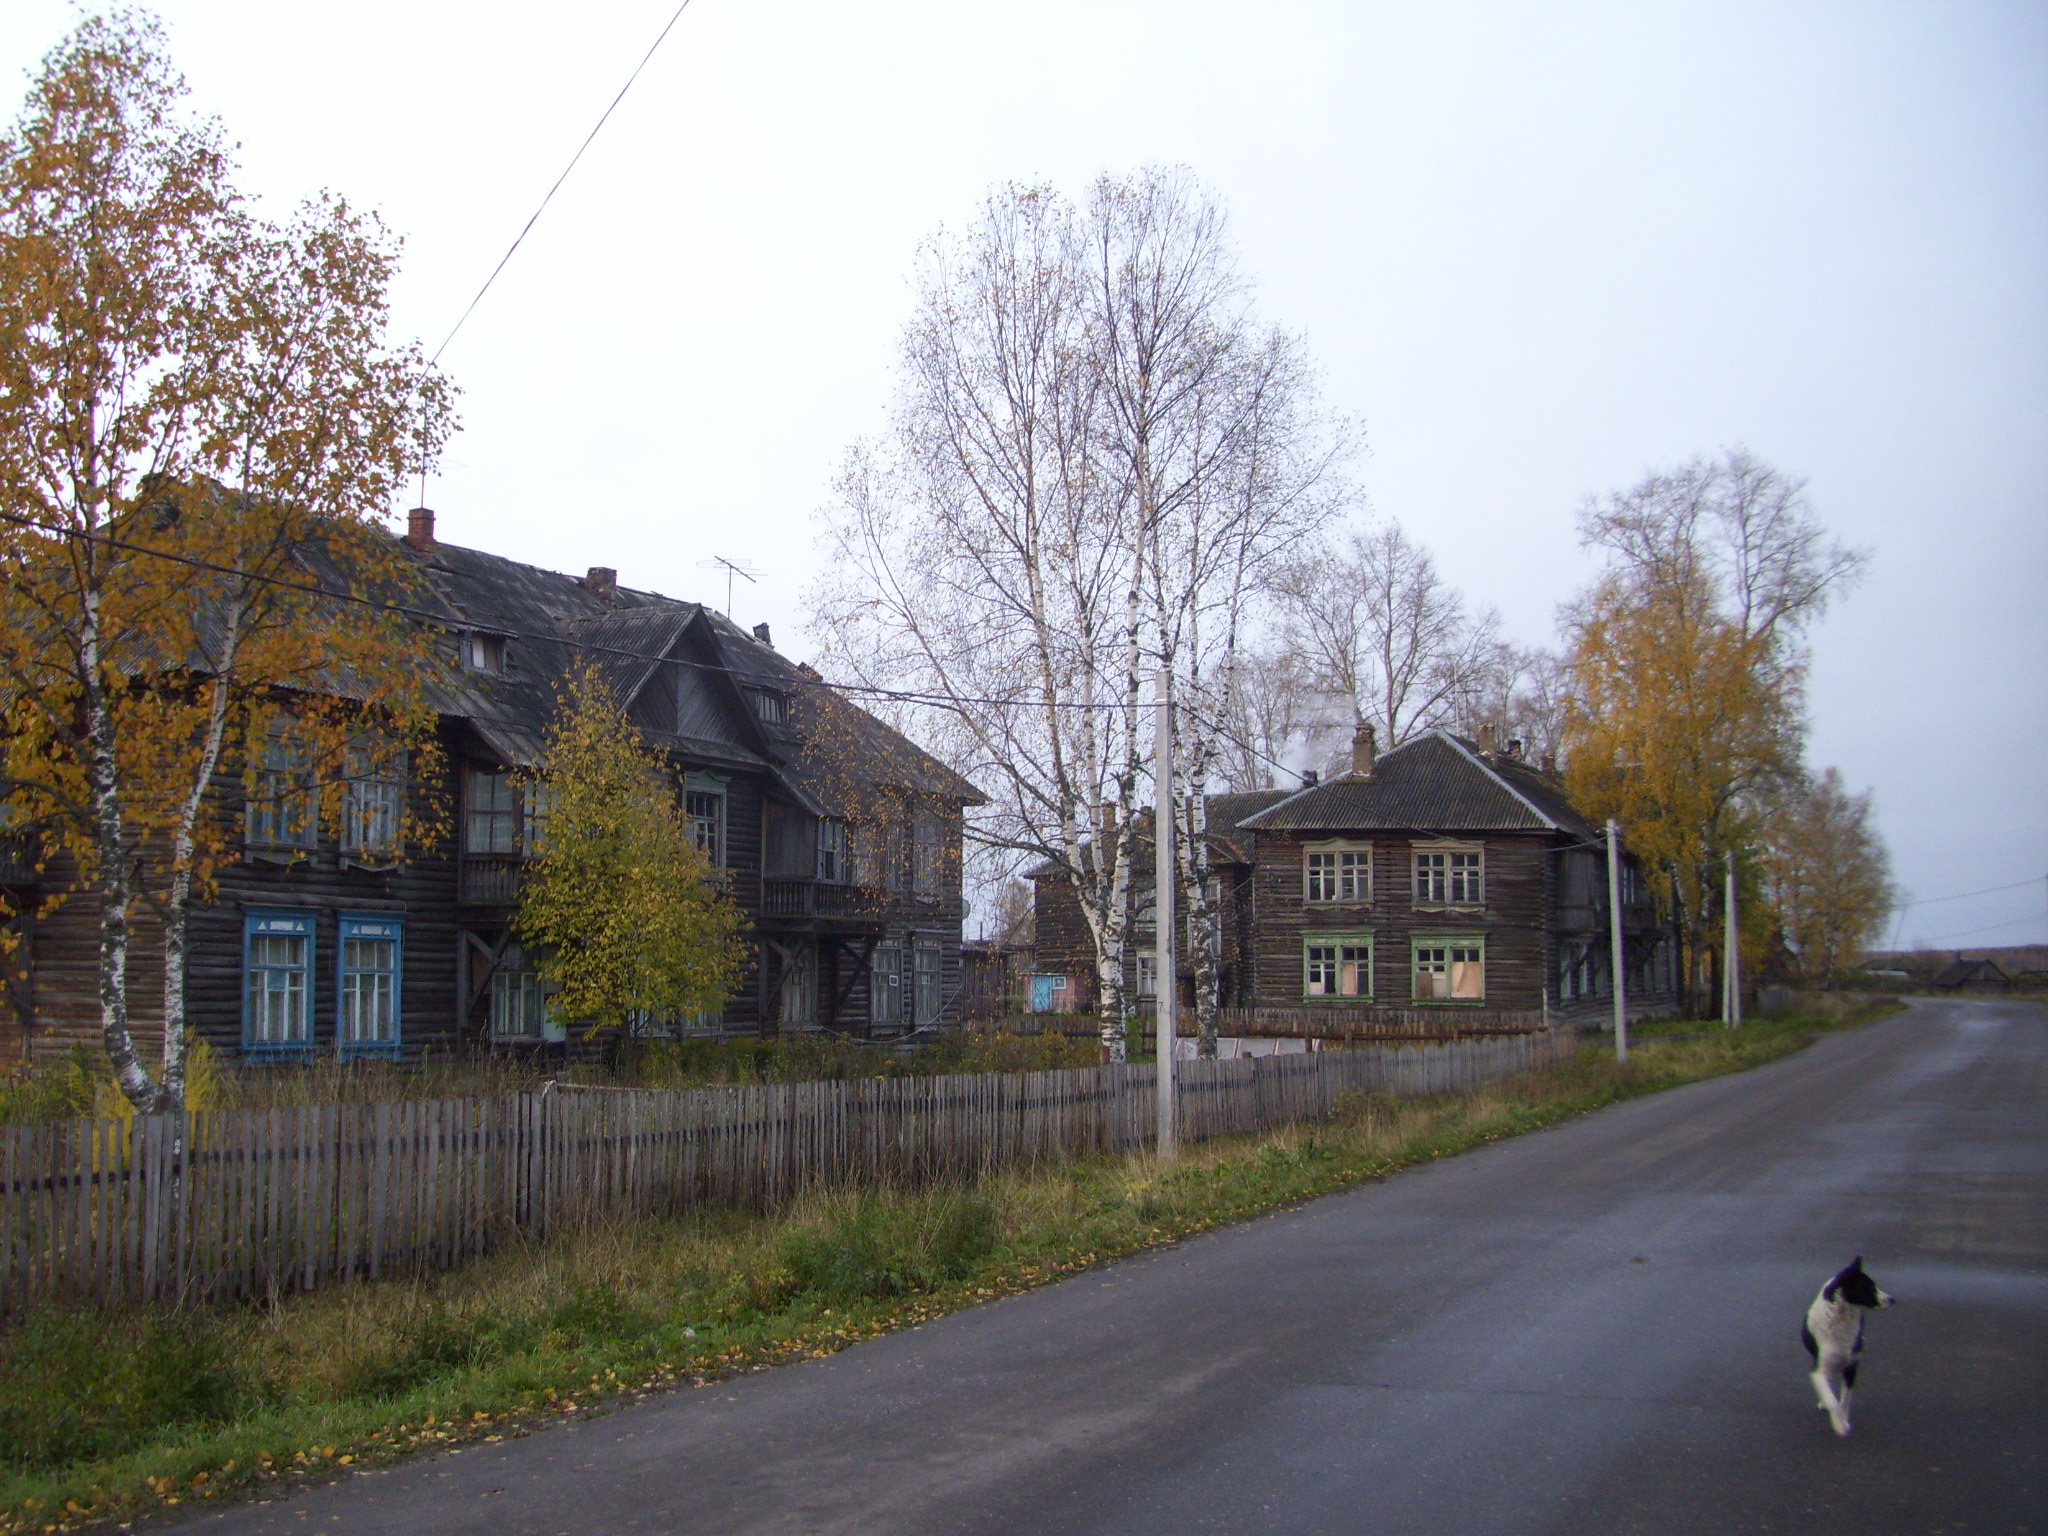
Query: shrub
[[78, 1382], [885, 1248]]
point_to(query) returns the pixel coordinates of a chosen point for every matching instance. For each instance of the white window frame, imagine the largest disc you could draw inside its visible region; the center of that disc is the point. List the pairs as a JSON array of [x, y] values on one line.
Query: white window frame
[[885, 984], [705, 800], [1449, 875], [927, 981], [1336, 873], [832, 867], [928, 855], [497, 811], [520, 1011], [798, 993], [367, 1013], [373, 805], [483, 651], [282, 811]]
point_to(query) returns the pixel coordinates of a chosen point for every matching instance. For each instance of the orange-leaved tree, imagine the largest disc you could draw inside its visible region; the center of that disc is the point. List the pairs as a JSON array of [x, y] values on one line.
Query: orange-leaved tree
[[1688, 661], [201, 429]]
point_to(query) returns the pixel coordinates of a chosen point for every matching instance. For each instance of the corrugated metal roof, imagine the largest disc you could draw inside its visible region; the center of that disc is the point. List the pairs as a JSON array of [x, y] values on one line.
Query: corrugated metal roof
[[1436, 782], [628, 635]]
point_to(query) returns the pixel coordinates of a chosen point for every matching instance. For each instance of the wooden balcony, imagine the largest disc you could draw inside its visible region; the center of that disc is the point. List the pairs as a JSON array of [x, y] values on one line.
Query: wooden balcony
[[490, 880], [821, 898]]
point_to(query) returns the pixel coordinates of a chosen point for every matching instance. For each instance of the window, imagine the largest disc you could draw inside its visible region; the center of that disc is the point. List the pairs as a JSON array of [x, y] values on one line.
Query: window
[[519, 1007], [1337, 965], [280, 812], [368, 1025], [799, 984], [491, 814], [374, 808], [704, 804], [1449, 877], [1450, 970], [1148, 975], [769, 706], [928, 855], [832, 850], [483, 653], [277, 986], [1337, 872], [885, 985], [536, 804], [925, 981]]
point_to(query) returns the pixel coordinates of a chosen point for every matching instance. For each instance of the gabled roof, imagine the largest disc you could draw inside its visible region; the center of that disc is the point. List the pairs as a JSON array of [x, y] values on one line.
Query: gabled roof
[[1961, 973], [1436, 782], [634, 638]]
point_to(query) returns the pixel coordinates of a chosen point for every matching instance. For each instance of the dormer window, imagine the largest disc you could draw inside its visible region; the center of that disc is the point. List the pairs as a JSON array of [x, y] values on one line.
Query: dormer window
[[483, 652], [769, 706]]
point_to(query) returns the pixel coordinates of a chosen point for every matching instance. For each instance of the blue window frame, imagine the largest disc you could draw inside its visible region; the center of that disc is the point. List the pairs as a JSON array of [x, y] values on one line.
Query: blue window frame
[[277, 984], [372, 955]]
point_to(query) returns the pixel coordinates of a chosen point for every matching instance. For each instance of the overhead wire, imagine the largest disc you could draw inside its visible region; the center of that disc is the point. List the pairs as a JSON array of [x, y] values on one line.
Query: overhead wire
[[459, 622], [588, 139]]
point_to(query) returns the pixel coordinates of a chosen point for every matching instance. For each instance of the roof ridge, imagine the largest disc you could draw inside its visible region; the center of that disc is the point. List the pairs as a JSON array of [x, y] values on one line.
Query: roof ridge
[[1492, 773]]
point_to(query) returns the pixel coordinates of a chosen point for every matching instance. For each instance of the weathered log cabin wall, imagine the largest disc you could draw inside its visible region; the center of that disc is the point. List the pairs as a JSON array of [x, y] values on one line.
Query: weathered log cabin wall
[[1512, 920]]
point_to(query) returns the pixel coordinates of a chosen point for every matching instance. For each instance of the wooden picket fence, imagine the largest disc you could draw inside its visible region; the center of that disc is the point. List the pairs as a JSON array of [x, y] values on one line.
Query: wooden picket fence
[[247, 1202]]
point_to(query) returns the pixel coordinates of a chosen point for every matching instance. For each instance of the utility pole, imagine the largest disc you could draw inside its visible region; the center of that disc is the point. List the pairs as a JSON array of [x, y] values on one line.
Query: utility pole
[[1731, 959], [1165, 881], [1616, 953]]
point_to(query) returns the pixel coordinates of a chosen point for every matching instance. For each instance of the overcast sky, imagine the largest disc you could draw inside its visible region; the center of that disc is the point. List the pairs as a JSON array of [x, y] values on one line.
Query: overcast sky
[[1538, 249]]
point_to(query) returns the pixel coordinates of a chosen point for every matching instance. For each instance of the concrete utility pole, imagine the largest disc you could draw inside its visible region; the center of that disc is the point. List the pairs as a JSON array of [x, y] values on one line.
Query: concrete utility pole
[[1616, 953], [1731, 959], [1165, 883]]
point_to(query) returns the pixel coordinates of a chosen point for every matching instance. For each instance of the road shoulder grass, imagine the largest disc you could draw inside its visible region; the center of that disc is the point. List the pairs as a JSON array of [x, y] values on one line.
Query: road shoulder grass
[[107, 1414]]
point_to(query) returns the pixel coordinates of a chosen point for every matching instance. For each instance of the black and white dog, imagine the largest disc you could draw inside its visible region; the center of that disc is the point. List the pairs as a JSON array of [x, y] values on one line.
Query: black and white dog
[[1833, 1335]]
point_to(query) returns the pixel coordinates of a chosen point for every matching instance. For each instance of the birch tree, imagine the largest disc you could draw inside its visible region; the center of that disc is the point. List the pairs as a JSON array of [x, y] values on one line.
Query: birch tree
[[200, 430], [1095, 448], [1826, 875], [1382, 628]]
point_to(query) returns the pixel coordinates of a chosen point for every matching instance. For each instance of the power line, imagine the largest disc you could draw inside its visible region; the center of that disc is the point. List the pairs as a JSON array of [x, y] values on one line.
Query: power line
[[454, 622], [1989, 890], [543, 208], [1964, 933]]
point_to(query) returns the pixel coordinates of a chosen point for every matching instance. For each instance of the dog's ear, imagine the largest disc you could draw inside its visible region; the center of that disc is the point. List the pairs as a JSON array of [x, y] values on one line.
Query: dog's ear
[[1854, 1265]]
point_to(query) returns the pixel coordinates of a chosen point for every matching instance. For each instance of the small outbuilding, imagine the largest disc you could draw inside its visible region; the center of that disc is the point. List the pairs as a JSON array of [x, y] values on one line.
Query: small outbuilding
[[1972, 976]]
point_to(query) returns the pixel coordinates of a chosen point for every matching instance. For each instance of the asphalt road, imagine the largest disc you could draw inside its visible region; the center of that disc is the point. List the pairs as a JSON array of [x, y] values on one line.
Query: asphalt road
[[1591, 1329]]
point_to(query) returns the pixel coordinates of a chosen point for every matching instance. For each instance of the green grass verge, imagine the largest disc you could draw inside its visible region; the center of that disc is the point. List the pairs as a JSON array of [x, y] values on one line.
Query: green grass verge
[[107, 1413]]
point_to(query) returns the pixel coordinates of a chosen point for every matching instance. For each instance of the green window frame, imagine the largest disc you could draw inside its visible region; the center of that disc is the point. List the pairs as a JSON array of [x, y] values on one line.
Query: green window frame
[[1338, 965], [1448, 968]]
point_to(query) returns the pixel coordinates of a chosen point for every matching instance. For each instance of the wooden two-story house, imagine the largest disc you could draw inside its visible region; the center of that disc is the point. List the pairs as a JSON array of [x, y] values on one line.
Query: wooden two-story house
[[1445, 874], [838, 838]]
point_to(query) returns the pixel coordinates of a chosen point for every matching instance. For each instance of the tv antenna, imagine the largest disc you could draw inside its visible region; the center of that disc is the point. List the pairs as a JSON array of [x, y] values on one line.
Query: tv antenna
[[744, 569]]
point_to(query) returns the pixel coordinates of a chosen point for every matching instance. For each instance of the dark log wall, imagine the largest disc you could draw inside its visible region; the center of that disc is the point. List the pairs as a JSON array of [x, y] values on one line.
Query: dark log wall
[[1066, 947], [1513, 919]]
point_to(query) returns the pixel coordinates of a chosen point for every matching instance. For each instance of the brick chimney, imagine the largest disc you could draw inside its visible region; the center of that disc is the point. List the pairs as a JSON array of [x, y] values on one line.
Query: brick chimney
[[601, 582], [1489, 739], [761, 634], [419, 530], [1364, 749]]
